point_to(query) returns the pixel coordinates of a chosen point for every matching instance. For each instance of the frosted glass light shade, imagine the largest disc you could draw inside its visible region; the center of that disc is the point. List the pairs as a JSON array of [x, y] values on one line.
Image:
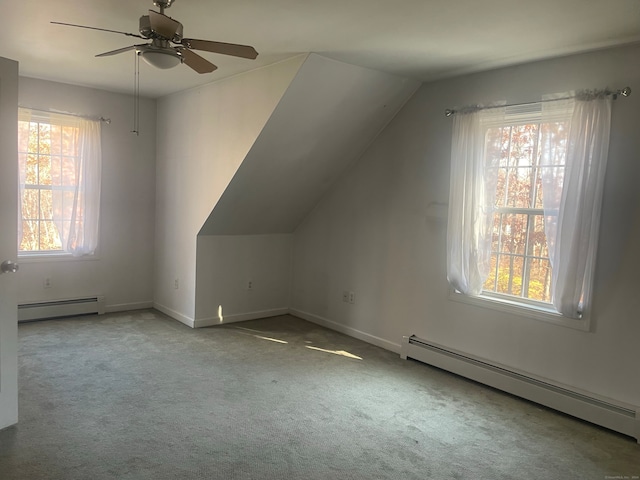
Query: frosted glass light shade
[[161, 58]]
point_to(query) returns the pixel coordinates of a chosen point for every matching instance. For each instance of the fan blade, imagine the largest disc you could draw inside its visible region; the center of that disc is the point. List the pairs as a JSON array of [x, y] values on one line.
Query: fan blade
[[120, 50], [95, 28], [244, 51], [195, 61], [163, 25]]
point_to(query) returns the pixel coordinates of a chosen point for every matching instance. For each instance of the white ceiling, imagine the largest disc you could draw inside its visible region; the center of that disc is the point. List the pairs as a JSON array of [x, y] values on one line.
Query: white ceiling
[[422, 39]]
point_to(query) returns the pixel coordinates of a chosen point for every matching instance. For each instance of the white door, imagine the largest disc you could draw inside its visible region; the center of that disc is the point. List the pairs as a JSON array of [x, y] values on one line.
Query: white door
[[8, 242]]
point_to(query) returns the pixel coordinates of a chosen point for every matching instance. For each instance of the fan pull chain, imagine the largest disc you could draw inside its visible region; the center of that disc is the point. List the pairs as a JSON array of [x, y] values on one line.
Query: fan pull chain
[[136, 94]]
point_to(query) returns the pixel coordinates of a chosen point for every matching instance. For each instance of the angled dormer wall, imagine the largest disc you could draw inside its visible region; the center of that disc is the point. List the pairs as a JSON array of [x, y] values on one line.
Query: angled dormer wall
[[203, 135], [327, 118]]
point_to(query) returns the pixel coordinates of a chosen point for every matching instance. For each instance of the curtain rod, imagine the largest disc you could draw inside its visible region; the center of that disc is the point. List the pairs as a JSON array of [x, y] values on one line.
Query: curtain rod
[[52, 110], [625, 92]]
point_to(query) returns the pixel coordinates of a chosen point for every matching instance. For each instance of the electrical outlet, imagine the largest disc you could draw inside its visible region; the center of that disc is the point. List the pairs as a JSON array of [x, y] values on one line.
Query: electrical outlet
[[352, 297], [176, 284], [345, 296], [46, 283], [250, 285]]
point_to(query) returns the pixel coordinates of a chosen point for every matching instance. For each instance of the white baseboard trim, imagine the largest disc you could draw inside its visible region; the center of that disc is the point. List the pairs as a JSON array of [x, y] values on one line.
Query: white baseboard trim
[[123, 307], [189, 322], [239, 317], [352, 332]]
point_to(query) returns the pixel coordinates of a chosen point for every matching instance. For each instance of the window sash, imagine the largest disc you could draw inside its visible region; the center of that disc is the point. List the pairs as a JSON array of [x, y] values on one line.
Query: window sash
[[514, 119], [526, 258], [62, 185]]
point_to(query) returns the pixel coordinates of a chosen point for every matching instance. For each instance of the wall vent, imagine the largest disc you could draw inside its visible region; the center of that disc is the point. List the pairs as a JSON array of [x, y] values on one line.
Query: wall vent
[[586, 406], [60, 308]]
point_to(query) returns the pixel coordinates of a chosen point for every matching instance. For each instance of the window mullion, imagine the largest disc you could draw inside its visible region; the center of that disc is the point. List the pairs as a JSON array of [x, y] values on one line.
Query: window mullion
[[37, 154], [506, 188], [510, 284], [535, 161], [535, 164], [498, 254], [526, 264], [506, 203], [521, 211]]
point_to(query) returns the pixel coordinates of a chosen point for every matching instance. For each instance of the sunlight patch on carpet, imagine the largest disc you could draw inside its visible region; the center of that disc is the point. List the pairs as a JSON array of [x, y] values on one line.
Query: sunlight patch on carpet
[[342, 353]]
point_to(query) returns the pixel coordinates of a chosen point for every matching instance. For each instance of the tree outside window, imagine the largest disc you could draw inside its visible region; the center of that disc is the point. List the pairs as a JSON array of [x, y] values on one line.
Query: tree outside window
[[520, 263]]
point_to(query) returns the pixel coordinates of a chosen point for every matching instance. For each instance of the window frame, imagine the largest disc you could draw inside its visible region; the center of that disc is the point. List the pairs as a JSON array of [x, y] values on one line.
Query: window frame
[[61, 120], [525, 309], [45, 256], [512, 304], [531, 212]]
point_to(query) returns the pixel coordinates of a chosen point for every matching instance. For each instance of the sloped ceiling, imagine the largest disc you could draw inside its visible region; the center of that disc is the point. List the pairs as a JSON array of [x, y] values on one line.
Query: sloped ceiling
[[325, 120], [421, 39]]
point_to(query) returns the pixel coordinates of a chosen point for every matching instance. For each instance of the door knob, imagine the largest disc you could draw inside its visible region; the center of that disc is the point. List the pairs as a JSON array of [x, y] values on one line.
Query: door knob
[[8, 267]]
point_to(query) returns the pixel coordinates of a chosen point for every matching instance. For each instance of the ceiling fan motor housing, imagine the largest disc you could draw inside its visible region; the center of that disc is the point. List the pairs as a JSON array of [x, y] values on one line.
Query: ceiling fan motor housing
[[147, 32]]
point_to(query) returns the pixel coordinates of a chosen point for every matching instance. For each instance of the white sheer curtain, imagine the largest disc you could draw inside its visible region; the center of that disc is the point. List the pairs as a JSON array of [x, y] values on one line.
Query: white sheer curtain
[[78, 219], [574, 143], [70, 152], [471, 200], [573, 198]]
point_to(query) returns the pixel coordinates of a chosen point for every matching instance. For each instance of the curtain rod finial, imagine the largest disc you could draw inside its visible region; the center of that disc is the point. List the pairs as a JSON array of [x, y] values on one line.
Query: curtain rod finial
[[625, 92], [449, 112]]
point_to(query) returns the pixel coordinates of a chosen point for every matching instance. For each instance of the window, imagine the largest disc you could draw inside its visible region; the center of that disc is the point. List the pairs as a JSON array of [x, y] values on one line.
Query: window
[[59, 167], [520, 265], [525, 199]]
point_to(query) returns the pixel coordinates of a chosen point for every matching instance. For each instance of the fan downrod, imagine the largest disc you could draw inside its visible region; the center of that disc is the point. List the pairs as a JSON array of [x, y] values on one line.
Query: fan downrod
[[162, 4]]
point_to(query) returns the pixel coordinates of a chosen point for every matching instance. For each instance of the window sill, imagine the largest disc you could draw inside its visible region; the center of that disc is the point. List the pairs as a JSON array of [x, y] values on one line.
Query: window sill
[[543, 314], [53, 257]]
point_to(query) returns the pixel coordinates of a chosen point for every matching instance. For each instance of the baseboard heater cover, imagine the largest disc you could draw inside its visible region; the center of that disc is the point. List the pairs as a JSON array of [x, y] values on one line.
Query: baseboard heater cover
[[60, 308], [598, 410]]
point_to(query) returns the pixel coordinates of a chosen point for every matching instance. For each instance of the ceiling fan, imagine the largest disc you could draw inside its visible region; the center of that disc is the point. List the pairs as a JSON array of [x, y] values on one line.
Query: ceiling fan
[[163, 31]]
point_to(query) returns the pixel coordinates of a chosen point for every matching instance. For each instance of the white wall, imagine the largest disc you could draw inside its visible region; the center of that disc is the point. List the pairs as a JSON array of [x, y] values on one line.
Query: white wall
[[203, 136], [371, 235], [328, 116], [226, 263], [122, 270]]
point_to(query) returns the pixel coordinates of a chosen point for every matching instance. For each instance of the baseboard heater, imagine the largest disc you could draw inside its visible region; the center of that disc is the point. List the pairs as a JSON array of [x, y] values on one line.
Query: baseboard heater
[[60, 308], [598, 410]]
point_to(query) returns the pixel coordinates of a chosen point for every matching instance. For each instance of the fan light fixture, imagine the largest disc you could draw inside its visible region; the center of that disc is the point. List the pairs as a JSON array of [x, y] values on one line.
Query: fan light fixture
[[163, 59], [165, 32]]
